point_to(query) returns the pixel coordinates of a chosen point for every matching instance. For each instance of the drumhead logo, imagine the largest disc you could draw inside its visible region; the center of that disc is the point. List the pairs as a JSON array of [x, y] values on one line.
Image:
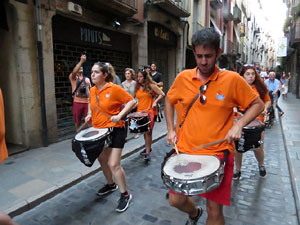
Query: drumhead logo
[[220, 96], [107, 95]]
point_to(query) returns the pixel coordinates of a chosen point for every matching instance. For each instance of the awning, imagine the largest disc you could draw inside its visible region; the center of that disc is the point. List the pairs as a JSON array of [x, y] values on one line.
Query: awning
[[236, 34], [215, 26]]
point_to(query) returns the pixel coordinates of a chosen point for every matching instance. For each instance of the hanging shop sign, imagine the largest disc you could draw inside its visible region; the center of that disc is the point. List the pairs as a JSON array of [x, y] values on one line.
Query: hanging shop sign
[[71, 31], [161, 34]]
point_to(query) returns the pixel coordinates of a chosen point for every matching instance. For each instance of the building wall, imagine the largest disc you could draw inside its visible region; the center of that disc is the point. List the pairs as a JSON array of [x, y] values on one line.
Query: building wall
[[20, 84], [18, 59]]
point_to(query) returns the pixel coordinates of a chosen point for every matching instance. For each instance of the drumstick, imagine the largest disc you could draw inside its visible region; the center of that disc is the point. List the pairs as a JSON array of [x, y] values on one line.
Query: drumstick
[[209, 144], [176, 149], [79, 128]]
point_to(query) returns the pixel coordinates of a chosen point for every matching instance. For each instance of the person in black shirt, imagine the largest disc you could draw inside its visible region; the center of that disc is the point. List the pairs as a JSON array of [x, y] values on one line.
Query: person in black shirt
[[156, 76]]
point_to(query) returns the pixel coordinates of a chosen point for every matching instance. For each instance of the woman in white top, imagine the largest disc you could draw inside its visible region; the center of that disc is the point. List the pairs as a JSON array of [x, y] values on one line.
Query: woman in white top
[[129, 86], [129, 83], [285, 85]]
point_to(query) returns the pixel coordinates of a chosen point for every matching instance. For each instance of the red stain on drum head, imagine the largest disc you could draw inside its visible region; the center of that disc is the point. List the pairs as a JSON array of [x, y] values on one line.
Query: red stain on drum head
[[189, 168]]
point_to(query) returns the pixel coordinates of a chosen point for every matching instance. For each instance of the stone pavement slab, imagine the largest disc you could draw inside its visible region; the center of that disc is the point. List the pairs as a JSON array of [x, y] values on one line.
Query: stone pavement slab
[[31, 177], [291, 133], [254, 200]]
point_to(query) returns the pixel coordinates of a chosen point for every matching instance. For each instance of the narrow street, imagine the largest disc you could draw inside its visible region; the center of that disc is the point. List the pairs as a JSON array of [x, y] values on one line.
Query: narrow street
[[254, 201]]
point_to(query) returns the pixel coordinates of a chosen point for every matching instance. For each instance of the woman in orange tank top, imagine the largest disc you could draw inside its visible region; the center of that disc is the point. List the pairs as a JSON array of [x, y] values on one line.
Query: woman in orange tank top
[[146, 91], [253, 79]]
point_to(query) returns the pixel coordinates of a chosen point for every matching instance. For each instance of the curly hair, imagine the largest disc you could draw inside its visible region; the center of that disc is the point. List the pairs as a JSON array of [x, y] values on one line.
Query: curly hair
[[259, 84], [147, 81]]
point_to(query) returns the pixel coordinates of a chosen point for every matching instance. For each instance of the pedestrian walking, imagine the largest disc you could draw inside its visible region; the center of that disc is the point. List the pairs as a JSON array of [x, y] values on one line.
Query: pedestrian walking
[[273, 86], [145, 92], [106, 111], [129, 85], [80, 92], [285, 85], [156, 76], [207, 119], [250, 74]]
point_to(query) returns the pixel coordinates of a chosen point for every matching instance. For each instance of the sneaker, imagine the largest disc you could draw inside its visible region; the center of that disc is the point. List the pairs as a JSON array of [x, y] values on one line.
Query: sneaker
[[194, 221], [237, 174], [107, 189], [147, 157], [124, 202], [262, 171], [142, 153]]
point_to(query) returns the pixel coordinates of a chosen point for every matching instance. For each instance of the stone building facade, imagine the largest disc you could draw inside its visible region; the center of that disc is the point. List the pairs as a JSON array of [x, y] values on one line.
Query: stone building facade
[[126, 33]]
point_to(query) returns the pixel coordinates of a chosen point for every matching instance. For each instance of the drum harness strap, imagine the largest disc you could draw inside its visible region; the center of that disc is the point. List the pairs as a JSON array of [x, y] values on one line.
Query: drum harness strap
[[191, 104]]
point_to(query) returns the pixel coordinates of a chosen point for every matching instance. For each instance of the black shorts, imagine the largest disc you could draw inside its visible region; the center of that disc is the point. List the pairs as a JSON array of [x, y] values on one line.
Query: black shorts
[[118, 136]]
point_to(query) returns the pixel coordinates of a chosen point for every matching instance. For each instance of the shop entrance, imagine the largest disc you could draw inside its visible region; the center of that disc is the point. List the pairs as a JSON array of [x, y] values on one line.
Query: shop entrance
[[99, 45]]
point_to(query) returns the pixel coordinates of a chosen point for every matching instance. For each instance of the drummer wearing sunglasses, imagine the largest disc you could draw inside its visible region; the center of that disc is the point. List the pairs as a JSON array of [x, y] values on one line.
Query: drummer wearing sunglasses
[[106, 111], [209, 118]]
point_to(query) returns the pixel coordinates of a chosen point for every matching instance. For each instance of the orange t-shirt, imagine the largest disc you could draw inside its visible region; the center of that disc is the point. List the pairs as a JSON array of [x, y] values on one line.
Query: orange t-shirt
[[3, 148], [111, 99], [145, 101], [211, 121], [265, 99]]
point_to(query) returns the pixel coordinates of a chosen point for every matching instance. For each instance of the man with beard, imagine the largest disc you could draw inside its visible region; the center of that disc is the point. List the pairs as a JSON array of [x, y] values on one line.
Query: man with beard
[[207, 119]]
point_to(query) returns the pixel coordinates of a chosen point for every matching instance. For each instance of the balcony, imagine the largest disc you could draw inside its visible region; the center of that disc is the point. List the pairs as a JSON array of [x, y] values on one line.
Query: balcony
[[228, 13], [217, 4], [122, 8], [228, 47], [237, 15], [178, 8], [295, 34]]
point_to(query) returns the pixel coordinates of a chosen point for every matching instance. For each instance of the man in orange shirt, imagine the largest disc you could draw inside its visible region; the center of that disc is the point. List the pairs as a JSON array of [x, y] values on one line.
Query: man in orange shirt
[[209, 119], [81, 86]]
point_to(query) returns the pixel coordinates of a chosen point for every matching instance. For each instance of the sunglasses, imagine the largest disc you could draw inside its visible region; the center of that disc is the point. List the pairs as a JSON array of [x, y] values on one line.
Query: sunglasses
[[248, 65], [202, 91]]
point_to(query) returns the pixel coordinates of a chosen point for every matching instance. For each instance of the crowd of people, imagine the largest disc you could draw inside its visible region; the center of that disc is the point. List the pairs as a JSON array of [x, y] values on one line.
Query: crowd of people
[[197, 95]]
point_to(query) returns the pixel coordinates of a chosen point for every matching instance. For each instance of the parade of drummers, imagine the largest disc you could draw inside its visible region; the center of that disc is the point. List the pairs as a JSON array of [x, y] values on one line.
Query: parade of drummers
[[147, 112]]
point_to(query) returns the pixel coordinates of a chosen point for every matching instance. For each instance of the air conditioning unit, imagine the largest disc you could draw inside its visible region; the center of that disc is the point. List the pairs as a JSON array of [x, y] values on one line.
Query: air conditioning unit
[[75, 8]]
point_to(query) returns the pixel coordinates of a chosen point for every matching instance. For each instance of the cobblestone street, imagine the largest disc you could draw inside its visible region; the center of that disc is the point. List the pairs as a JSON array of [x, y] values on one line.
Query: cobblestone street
[[254, 201]]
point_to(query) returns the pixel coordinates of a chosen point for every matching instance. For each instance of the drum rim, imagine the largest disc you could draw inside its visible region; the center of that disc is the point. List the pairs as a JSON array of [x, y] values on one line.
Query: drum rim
[[130, 115], [194, 179], [97, 138]]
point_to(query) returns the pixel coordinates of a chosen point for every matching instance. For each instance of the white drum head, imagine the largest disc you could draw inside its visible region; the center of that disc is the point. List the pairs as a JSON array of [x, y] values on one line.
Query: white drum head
[[90, 134], [184, 166]]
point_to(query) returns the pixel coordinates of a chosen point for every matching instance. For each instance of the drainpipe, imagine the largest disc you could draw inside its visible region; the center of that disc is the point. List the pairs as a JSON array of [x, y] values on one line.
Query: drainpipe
[[41, 73]]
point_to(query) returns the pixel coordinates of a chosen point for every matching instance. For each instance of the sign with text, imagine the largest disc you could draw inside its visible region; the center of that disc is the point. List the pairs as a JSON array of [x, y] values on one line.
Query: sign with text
[[71, 31], [282, 47], [161, 34]]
